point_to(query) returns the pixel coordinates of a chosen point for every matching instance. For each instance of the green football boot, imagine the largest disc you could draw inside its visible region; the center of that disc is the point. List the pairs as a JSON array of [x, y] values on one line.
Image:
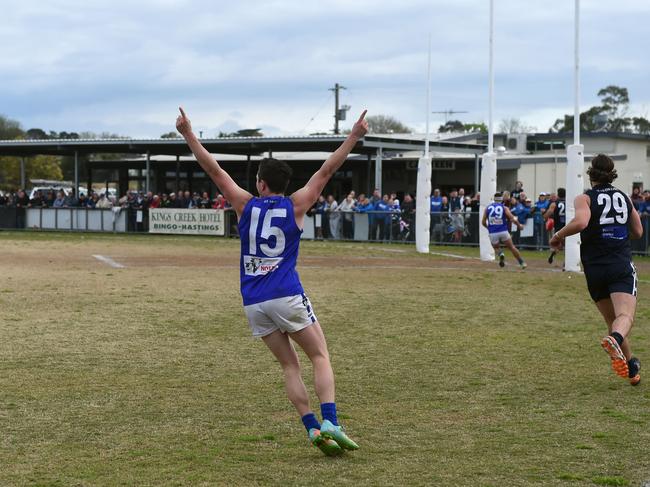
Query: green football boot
[[328, 430], [328, 446]]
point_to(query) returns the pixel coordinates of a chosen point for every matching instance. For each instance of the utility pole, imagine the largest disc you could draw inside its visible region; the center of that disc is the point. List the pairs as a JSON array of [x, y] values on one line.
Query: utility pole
[[339, 112]]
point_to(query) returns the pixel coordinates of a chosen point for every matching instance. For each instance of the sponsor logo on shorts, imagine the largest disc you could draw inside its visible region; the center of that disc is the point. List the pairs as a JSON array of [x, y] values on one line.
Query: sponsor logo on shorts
[[307, 305], [260, 266]]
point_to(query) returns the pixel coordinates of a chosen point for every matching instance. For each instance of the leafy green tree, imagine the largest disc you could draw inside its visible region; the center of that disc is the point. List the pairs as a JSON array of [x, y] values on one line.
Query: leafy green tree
[[36, 134], [615, 101], [38, 167], [170, 135], [641, 125], [242, 133], [459, 127], [476, 127], [452, 126], [68, 135], [609, 116], [10, 129], [385, 124]]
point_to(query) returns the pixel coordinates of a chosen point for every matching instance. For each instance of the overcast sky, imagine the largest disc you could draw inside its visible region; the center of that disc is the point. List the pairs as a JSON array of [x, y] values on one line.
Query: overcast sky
[[125, 66]]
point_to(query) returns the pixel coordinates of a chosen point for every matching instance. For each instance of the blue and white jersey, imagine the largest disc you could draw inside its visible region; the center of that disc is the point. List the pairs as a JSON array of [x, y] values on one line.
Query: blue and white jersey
[[436, 204], [269, 249], [496, 218]]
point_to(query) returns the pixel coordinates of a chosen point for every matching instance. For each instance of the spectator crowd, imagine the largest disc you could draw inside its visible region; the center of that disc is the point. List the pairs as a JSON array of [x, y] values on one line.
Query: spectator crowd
[[454, 216], [105, 199]]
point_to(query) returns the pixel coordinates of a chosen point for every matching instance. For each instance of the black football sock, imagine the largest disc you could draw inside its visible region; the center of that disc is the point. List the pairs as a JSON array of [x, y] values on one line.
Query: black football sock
[[618, 337]]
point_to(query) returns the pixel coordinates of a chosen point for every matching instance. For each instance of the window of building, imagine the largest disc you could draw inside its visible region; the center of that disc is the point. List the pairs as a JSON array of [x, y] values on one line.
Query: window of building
[[545, 145]]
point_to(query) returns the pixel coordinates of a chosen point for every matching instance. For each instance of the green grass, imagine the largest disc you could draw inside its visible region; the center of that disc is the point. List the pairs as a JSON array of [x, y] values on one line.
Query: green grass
[[449, 372]]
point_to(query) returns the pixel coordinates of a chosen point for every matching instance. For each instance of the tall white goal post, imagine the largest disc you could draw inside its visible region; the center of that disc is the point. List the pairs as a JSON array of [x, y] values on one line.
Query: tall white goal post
[[575, 159]]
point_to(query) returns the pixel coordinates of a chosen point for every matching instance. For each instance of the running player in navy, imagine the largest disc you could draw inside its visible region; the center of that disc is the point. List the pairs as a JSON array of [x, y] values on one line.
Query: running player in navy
[[606, 221], [497, 219], [557, 211], [275, 303]]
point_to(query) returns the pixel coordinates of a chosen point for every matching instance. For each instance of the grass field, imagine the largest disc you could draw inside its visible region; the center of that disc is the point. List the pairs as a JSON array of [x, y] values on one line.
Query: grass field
[[449, 371]]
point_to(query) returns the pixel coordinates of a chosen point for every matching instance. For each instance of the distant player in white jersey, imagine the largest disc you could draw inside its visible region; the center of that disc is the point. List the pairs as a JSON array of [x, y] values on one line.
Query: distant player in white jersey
[[275, 303], [497, 219]]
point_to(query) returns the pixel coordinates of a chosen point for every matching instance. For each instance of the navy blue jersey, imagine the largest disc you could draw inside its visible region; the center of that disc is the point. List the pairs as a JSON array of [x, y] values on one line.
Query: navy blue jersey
[[496, 218], [559, 215], [606, 240], [269, 250]]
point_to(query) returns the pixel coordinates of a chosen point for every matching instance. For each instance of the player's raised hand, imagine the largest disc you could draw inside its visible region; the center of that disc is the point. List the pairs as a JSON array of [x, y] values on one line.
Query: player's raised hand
[[360, 128], [183, 124]]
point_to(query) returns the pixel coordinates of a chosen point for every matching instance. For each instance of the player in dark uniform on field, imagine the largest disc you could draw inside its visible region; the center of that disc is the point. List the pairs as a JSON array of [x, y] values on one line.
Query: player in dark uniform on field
[[557, 211], [607, 220]]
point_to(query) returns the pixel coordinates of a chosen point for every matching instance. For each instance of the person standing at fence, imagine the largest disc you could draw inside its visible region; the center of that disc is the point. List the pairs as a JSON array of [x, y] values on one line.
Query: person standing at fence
[[275, 303], [395, 216], [317, 213], [346, 208], [333, 217], [104, 202], [541, 205], [373, 218], [21, 202], [519, 187], [407, 222], [59, 201], [380, 227], [435, 217], [606, 221], [497, 218], [557, 211]]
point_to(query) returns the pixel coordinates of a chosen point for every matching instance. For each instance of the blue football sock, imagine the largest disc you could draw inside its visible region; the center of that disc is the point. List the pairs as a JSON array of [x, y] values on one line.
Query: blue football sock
[[328, 411], [310, 421]]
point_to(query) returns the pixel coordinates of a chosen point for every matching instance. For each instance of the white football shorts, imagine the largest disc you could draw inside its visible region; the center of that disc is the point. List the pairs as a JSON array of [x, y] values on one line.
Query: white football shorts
[[289, 315], [499, 237]]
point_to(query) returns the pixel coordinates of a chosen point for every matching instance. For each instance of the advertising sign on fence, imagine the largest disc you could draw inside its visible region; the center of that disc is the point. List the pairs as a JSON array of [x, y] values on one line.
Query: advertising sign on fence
[[186, 221]]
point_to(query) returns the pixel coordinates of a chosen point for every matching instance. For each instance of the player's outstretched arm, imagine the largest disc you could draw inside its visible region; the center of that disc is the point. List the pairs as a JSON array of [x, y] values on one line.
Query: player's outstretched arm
[[237, 196], [484, 219], [512, 218], [305, 197]]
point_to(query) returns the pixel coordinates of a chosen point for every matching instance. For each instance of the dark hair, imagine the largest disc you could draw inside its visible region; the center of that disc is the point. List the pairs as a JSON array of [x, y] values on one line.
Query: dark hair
[[561, 193], [602, 170], [275, 174]]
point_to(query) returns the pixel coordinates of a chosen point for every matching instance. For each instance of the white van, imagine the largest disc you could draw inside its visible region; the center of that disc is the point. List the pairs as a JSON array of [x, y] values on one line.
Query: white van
[[45, 189]]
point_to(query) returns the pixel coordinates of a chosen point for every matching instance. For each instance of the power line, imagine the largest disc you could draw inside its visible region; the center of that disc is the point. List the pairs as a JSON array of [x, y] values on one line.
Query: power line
[[329, 97]]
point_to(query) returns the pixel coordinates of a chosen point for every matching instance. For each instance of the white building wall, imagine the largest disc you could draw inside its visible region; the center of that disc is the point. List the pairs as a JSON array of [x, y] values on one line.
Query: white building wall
[[636, 169], [544, 176], [548, 177]]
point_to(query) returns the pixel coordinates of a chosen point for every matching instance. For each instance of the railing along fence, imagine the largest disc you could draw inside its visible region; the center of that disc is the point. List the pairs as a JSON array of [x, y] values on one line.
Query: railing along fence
[[457, 228]]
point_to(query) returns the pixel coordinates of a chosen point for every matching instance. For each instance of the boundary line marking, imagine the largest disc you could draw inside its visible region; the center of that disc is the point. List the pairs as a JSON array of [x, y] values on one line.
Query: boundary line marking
[[455, 256], [109, 261]]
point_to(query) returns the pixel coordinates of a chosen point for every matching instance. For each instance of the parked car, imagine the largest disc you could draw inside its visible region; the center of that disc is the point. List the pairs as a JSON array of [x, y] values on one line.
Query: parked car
[[44, 190]]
